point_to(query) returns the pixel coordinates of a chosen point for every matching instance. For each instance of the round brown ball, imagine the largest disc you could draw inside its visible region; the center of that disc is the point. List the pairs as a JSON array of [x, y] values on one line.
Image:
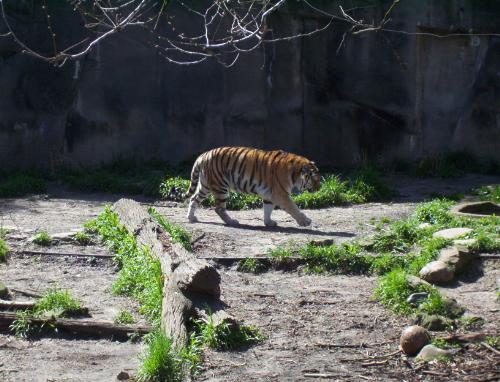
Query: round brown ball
[[413, 339]]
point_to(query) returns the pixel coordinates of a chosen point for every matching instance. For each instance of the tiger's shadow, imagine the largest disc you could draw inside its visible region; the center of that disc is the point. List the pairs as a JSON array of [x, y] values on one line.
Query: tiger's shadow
[[296, 230]]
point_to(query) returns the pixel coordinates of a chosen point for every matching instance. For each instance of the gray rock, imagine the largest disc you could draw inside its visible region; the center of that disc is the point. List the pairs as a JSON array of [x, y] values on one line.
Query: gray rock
[[415, 298], [452, 233], [4, 291], [123, 376], [424, 225], [64, 236], [435, 323], [437, 272], [416, 282], [464, 242], [431, 352], [457, 258], [453, 309]]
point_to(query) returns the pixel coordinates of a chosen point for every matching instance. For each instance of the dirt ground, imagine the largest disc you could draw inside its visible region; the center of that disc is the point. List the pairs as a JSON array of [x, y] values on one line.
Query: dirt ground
[[316, 327]]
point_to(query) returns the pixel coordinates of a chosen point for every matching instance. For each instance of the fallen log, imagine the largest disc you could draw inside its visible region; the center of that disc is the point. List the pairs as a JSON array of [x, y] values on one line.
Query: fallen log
[[62, 254], [86, 327], [16, 305], [192, 285]]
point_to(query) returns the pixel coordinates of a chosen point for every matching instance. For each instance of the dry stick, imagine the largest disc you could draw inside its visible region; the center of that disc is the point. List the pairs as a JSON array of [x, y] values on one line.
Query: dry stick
[[26, 292], [4, 304], [40, 253], [490, 348], [436, 373], [96, 328], [375, 363], [319, 375]]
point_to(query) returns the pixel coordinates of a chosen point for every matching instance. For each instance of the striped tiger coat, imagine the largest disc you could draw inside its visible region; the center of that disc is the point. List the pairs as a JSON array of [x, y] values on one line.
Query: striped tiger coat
[[270, 174]]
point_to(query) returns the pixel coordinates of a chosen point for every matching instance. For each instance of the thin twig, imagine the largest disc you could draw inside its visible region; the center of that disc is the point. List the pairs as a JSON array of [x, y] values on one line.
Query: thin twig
[[490, 348]]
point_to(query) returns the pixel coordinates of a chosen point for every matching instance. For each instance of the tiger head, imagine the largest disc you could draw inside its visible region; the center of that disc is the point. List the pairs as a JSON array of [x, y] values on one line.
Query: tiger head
[[310, 177]]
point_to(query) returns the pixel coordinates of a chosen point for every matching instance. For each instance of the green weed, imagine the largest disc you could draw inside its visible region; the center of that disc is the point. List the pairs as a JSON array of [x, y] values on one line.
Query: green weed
[[346, 258], [21, 327], [140, 274], [124, 317], [250, 265], [4, 250], [59, 303], [43, 239], [491, 193], [493, 341], [82, 238], [176, 232], [20, 185], [160, 362], [225, 336]]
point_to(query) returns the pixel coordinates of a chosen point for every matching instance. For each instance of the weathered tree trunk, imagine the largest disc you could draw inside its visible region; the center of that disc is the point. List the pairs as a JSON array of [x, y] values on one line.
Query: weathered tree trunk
[[192, 286], [94, 328], [6, 304]]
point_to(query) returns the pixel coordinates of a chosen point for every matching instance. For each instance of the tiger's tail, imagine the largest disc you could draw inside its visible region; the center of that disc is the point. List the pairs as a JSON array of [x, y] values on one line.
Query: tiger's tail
[[195, 176]]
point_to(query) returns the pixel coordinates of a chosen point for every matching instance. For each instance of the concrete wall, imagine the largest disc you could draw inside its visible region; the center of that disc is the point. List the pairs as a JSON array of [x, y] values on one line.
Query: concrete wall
[[381, 96]]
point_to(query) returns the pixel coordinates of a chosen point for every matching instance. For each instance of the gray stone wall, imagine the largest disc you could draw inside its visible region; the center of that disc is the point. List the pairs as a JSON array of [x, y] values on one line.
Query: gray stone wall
[[381, 96]]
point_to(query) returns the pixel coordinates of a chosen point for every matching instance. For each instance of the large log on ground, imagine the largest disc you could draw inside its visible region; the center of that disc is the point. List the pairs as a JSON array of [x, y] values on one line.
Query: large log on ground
[[86, 327], [192, 285]]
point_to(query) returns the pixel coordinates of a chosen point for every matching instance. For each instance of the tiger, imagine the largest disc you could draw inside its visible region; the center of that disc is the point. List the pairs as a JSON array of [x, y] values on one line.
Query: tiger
[[270, 174]]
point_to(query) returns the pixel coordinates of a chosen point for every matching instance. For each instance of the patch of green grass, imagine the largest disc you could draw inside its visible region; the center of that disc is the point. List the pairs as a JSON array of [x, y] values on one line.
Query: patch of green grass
[[386, 262], [250, 265], [346, 258], [4, 250], [225, 336], [43, 239], [393, 290], [493, 341], [442, 344], [486, 242], [160, 362], [124, 317], [491, 193], [83, 238], [58, 302], [176, 232], [118, 176], [174, 188], [20, 185], [435, 212], [451, 165], [140, 274], [21, 327]]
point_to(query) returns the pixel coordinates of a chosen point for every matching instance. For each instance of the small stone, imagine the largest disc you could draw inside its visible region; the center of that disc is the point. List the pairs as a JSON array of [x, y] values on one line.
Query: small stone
[[464, 242], [455, 257], [123, 376], [424, 225], [416, 282], [431, 352], [415, 298], [453, 309], [64, 236], [452, 233], [4, 291], [437, 272], [413, 339], [435, 323]]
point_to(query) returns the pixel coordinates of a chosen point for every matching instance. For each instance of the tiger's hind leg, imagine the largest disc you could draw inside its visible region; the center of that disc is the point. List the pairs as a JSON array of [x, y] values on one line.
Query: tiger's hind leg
[[268, 209], [220, 208], [200, 195]]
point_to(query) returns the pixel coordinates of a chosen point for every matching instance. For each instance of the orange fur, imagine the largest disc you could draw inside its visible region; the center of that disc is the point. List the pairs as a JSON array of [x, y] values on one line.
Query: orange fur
[[270, 174]]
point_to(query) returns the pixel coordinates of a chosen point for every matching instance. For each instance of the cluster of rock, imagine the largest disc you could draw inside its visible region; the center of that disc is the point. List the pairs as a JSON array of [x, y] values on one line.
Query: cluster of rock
[[451, 261], [415, 341]]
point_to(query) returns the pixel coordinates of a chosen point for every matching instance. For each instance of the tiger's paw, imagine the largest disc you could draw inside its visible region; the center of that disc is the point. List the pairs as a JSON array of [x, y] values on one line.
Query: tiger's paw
[[304, 221], [270, 223]]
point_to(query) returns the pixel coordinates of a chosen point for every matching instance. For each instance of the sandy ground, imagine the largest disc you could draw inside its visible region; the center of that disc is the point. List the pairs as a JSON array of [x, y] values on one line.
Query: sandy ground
[[316, 327]]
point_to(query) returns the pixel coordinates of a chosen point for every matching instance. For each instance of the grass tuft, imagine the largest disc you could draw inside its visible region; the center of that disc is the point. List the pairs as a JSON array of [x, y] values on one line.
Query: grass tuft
[[20, 185], [124, 317], [250, 265], [58, 302], [225, 336], [43, 239], [4, 250], [83, 238]]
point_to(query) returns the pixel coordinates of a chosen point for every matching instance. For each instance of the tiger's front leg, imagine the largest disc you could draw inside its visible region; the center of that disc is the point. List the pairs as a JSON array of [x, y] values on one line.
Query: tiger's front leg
[[220, 209], [268, 209], [289, 206]]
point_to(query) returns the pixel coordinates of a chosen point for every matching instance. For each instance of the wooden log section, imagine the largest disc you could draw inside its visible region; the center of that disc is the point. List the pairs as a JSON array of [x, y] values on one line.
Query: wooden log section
[[15, 305], [86, 327], [192, 285]]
